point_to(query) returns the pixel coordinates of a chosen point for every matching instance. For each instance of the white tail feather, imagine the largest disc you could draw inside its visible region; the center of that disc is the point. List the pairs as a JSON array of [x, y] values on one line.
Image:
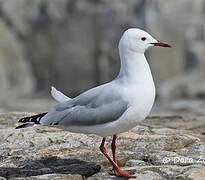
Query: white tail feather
[[59, 96]]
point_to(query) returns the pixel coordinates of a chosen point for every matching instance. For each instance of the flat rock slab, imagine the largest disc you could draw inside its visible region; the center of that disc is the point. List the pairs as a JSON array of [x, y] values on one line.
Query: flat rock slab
[[159, 148]]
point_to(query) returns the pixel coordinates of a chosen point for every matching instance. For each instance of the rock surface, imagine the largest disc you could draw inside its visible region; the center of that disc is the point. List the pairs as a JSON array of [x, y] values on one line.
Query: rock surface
[[159, 148]]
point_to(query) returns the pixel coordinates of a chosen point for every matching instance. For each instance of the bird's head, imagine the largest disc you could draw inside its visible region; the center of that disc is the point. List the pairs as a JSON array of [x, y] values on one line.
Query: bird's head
[[138, 41]]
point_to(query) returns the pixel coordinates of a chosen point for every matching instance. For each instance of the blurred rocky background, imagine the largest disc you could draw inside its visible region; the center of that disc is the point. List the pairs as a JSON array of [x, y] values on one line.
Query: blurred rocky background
[[72, 44]]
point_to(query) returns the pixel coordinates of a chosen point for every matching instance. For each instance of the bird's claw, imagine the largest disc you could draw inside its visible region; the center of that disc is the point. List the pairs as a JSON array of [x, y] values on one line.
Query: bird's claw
[[125, 173]]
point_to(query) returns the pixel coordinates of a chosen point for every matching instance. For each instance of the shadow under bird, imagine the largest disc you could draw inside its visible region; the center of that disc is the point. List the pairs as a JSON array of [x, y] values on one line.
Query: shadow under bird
[[111, 108]]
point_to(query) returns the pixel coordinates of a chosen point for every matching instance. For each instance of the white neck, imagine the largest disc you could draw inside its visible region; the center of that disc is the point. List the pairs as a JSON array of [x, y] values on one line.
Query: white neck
[[134, 68]]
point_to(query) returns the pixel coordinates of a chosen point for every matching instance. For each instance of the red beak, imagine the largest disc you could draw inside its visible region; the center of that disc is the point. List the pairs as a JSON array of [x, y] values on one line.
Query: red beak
[[160, 43]]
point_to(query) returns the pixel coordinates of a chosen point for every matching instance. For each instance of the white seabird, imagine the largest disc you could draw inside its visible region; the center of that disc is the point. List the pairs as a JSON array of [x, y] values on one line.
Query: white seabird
[[111, 108]]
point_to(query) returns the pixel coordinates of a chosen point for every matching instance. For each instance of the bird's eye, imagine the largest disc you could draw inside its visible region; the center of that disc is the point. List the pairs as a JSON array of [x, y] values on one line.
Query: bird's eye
[[143, 38]]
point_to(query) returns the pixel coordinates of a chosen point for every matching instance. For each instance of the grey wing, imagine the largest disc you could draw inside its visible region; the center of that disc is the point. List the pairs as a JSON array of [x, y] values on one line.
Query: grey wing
[[92, 111]]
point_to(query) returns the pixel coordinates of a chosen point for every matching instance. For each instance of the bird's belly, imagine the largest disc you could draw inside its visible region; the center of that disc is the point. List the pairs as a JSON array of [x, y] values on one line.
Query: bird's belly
[[106, 129]]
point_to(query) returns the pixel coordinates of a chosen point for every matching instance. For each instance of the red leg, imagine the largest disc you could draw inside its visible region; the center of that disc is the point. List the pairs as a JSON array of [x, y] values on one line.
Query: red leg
[[113, 147], [118, 171], [103, 150]]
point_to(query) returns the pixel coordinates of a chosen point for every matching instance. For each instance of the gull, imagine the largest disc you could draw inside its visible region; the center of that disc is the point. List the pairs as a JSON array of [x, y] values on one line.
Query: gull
[[111, 108]]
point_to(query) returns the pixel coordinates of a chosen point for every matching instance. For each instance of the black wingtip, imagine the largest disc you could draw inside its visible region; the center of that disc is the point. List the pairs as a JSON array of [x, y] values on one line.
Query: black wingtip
[[22, 126], [22, 120], [35, 118]]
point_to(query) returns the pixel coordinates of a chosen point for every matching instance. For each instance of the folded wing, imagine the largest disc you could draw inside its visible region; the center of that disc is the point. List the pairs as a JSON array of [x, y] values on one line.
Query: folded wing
[[98, 106]]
